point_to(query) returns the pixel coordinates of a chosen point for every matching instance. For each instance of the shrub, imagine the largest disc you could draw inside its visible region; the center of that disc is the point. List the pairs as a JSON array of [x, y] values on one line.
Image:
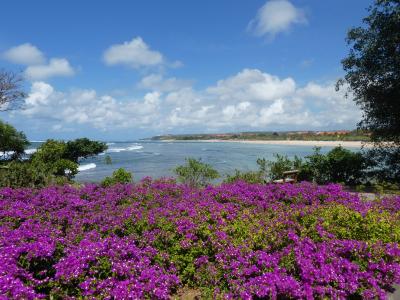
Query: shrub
[[282, 164], [154, 239], [338, 166], [196, 173], [258, 176], [24, 174], [118, 176], [249, 177], [345, 166], [51, 155]]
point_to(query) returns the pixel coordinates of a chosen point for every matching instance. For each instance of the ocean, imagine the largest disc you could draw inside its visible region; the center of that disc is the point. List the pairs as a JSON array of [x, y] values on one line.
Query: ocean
[[158, 159]]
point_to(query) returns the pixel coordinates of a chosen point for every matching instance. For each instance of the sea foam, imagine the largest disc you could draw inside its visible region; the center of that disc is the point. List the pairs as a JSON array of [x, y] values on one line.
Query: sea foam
[[86, 167], [132, 147]]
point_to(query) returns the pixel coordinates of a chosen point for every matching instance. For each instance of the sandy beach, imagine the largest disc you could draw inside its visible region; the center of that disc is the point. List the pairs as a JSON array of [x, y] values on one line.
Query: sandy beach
[[350, 144]]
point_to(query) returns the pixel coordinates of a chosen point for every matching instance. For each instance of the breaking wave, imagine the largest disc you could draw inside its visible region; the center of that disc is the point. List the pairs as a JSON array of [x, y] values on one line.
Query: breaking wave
[[86, 167], [129, 148]]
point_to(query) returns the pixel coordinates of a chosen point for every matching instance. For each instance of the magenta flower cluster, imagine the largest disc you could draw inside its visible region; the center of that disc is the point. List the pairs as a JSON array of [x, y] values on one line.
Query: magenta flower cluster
[[155, 239]]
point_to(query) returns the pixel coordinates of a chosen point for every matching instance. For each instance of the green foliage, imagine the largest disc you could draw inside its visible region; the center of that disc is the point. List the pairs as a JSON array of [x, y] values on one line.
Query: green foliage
[[11, 140], [118, 176], [258, 176], [61, 159], [345, 166], [51, 154], [348, 224], [196, 173], [372, 73], [24, 174], [373, 70], [250, 177], [339, 166], [379, 187], [54, 162], [50, 151], [282, 164], [83, 148], [315, 167]]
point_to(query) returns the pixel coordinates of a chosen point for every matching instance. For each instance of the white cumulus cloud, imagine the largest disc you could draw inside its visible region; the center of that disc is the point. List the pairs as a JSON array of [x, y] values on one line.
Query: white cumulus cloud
[[25, 54], [249, 100], [253, 84], [276, 16], [158, 82], [55, 67], [38, 67], [135, 53]]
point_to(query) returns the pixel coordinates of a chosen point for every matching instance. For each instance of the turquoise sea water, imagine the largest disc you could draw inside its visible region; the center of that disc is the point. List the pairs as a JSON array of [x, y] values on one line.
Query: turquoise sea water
[[158, 159]]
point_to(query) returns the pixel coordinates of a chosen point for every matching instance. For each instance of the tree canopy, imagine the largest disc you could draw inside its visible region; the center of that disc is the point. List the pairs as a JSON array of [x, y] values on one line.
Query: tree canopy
[[12, 142], [61, 158], [83, 148], [196, 173], [373, 70]]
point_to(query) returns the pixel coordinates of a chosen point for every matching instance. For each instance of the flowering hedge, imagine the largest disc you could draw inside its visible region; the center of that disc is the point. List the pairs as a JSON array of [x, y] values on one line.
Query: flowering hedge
[[238, 240]]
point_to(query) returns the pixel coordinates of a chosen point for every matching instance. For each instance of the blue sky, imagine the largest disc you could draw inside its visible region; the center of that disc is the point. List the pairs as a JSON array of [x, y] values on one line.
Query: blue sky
[[130, 69]]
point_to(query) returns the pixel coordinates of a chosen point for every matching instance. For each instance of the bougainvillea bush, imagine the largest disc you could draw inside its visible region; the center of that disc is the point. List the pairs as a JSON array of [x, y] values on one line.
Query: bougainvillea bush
[[154, 239]]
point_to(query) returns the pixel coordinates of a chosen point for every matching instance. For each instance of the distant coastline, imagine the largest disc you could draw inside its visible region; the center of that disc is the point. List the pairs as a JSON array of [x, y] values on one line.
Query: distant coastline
[[351, 144]]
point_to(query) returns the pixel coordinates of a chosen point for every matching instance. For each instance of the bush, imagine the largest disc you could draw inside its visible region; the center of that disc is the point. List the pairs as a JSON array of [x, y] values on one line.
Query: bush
[[345, 166], [118, 176], [157, 239], [282, 164], [250, 176], [196, 173], [338, 166], [51, 155], [24, 174]]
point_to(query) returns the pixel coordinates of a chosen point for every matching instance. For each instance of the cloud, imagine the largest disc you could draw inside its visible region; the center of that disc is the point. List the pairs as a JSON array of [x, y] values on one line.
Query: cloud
[[253, 84], [55, 67], [276, 16], [248, 100], [25, 54], [135, 54], [158, 82], [38, 67], [86, 107]]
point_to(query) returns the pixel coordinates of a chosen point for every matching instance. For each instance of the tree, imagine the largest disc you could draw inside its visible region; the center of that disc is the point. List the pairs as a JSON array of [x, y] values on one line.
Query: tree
[[83, 148], [61, 158], [51, 155], [12, 142], [11, 93], [373, 75], [196, 173], [373, 70]]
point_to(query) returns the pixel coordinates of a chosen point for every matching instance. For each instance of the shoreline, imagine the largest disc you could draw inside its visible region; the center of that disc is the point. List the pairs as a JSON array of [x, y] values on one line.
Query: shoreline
[[351, 144]]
